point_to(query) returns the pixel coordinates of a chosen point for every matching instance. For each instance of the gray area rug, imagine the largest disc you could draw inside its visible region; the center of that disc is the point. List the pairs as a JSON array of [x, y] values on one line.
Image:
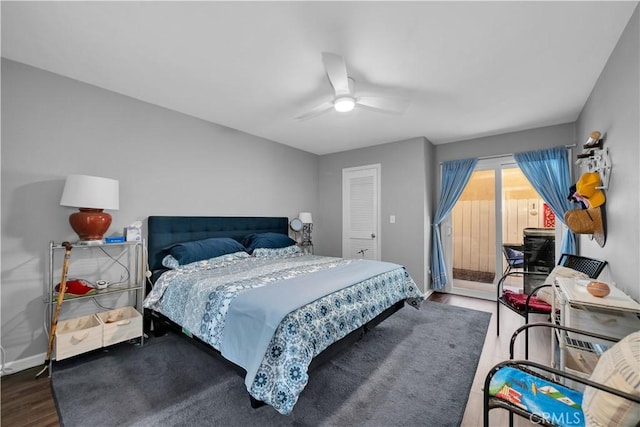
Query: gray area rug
[[414, 369]]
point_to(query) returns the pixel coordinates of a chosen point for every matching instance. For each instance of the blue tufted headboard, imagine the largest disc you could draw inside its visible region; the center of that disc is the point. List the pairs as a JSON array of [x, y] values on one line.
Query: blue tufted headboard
[[163, 231]]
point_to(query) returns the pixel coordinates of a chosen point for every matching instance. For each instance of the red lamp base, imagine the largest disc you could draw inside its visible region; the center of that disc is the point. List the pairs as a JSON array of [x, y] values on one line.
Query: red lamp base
[[90, 224]]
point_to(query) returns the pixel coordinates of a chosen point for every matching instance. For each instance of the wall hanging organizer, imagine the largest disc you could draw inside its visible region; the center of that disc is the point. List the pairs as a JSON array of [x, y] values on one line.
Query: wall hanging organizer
[[589, 191], [596, 158]]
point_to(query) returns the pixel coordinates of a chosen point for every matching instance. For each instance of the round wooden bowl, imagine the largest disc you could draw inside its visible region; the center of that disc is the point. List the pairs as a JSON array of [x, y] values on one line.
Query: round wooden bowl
[[598, 289]]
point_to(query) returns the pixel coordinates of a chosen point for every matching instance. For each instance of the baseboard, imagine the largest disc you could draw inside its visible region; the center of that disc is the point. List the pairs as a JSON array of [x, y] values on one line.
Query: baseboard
[[22, 364]]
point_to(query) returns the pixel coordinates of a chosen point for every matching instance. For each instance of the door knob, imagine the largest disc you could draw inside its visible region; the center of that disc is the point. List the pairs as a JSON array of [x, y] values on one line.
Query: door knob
[[373, 235]]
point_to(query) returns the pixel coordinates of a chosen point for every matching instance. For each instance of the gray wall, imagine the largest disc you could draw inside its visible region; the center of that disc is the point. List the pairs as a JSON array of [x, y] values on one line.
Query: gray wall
[[405, 185], [507, 143], [500, 145], [613, 109], [167, 164]]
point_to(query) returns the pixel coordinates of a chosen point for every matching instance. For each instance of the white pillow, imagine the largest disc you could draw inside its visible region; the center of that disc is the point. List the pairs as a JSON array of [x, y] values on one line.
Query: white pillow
[[170, 262], [546, 294], [561, 271], [276, 252], [619, 368]]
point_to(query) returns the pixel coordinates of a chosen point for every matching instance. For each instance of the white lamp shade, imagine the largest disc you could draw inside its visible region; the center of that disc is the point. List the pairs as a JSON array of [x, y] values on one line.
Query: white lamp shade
[[305, 217], [84, 191]]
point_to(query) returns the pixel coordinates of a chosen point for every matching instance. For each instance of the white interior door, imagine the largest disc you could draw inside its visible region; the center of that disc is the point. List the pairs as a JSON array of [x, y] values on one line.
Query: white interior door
[[361, 212]]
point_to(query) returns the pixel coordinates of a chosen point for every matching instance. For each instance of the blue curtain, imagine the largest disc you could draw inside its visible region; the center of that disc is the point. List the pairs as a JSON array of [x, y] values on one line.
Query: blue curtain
[[548, 172], [455, 175]]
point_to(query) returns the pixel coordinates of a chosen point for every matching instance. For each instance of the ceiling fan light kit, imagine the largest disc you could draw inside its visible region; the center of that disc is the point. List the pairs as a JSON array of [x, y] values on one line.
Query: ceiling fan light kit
[[344, 104], [344, 99]]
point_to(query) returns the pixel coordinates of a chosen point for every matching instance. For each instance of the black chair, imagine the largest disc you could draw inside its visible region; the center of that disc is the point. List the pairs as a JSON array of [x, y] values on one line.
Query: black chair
[[525, 304], [518, 396], [514, 255]]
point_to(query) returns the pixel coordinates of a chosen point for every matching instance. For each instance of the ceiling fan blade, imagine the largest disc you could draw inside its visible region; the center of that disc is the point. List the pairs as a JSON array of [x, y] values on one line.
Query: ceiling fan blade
[[316, 111], [389, 105], [336, 70]]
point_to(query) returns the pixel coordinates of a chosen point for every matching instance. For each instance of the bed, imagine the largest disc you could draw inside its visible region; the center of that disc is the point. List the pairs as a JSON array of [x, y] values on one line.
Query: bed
[[241, 287]]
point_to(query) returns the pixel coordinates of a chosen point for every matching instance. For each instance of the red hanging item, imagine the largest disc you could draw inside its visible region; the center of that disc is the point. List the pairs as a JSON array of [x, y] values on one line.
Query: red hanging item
[[548, 217]]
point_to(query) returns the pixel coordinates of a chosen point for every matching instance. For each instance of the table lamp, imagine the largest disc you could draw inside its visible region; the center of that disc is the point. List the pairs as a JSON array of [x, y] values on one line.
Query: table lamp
[[307, 226], [91, 194]]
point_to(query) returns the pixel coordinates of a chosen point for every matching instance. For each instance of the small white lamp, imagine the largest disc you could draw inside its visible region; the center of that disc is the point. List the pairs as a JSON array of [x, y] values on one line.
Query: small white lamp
[[305, 217], [91, 194]]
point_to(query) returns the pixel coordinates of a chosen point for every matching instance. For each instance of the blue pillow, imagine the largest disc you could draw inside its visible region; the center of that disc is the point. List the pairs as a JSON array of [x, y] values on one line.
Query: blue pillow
[[189, 252], [267, 240]]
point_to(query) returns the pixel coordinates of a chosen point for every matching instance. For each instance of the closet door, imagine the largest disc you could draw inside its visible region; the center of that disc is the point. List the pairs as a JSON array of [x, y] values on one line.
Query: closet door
[[361, 212]]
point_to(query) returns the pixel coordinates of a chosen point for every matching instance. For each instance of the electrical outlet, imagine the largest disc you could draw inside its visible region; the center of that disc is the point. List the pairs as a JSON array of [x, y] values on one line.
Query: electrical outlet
[[392, 219]]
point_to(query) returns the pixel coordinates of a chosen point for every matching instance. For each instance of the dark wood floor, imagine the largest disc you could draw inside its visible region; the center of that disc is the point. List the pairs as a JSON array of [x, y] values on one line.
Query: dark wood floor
[[27, 401]]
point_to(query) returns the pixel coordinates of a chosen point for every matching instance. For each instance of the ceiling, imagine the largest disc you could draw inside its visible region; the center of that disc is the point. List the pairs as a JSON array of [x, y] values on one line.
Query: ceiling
[[469, 69]]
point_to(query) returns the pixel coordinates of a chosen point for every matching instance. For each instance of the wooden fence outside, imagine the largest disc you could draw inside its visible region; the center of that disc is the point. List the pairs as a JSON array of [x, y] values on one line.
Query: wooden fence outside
[[474, 249]]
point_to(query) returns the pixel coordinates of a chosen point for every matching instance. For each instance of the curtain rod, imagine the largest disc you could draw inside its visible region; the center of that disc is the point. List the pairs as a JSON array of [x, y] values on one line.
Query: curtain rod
[[497, 156]]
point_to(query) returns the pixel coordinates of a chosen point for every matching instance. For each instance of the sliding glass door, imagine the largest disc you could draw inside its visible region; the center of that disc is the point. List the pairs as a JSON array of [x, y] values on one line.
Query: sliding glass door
[[495, 208]]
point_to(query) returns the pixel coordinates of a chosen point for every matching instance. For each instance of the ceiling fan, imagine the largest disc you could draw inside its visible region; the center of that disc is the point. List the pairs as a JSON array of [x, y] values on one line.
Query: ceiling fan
[[344, 98]]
